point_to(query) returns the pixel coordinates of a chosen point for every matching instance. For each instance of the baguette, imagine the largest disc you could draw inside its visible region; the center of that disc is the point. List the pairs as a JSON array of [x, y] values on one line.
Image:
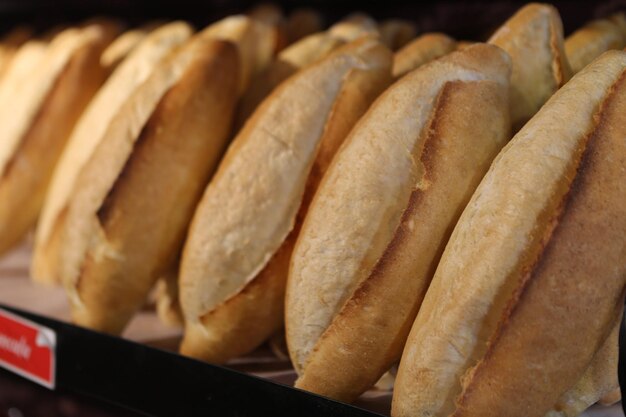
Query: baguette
[[533, 37], [395, 33], [377, 225], [590, 41], [87, 135], [234, 263], [134, 197], [26, 59], [302, 23], [124, 44], [37, 120], [599, 380], [353, 27], [422, 50], [255, 40], [10, 44], [289, 61], [512, 296], [271, 15]]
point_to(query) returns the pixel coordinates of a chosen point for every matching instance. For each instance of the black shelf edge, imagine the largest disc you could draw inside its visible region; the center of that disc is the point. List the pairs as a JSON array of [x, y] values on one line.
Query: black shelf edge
[[159, 383]]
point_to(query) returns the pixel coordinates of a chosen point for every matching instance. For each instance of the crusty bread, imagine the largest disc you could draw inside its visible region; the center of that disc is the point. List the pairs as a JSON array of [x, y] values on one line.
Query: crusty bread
[[86, 136], [167, 303], [533, 37], [422, 50], [383, 213], [598, 381], [289, 61], [255, 40], [133, 199], [235, 260], [512, 292], [37, 120], [353, 27], [10, 43], [25, 60], [460, 45], [395, 33], [302, 23], [590, 41], [124, 44]]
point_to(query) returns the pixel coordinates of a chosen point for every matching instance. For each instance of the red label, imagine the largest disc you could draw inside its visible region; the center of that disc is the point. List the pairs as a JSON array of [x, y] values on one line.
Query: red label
[[27, 349]]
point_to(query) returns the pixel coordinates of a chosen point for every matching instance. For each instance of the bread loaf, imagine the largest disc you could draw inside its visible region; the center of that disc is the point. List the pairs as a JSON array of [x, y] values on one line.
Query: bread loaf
[[598, 381], [533, 37], [289, 61], [86, 137], [37, 120], [10, 43], [235, 260], [256, 42], [129, 210], [533, 273], [383, 213], [590, 41], [353, 27], [303, 22], [422, 50], [395, 33]]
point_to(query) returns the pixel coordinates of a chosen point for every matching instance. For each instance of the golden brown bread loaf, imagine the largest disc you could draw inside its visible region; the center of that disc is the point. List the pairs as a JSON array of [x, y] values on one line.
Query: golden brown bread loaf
[[533, 37], [422, 50], [533, 273], [133, 199], [288, 62], [234, 264], [597, 382], [256, 42], [87, 135], [383, 213], [122, 46], [10, 43], [353, 27], [395, 33], [590, 41], [301, 23], [37, 120]]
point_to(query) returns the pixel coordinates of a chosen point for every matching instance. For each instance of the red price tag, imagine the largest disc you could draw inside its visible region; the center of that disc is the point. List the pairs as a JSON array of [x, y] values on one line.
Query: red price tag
[[27, 349]]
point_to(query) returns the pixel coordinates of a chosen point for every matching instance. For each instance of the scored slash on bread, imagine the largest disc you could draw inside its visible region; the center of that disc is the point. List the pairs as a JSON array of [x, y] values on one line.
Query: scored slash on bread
[[533, 273], [86, 136], [533, 37], [383, 213], [134, 197], [234, 264], [37, 120]]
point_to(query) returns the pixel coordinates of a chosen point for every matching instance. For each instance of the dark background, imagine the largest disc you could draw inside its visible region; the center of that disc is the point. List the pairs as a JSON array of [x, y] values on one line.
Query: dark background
[[461, 19]]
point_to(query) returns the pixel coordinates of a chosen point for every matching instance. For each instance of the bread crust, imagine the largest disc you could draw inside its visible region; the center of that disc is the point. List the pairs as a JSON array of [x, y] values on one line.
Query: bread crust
[[598, 383], [514, 211], [85, 137], [50, 99], [396, 33], [533, 37], [590, 41], [420, 51], [556, 308], [360, 318], [135, 196], [298, 55], [217, 273]]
